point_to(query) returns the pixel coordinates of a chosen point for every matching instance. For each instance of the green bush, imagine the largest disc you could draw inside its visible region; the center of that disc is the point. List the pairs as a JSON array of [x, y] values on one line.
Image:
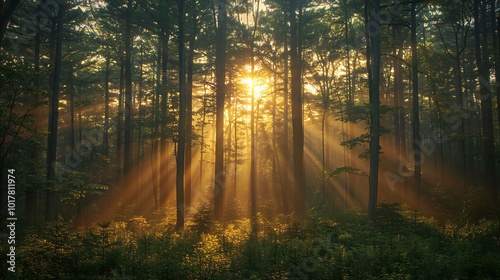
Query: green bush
[[398, 245]]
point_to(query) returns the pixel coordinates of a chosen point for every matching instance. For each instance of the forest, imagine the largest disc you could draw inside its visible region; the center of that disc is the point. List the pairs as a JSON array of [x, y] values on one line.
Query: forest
[[250, 139]]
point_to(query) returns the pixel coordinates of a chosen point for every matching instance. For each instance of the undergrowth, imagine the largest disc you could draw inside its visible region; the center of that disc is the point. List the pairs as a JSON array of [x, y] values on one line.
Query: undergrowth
[[398, 245]]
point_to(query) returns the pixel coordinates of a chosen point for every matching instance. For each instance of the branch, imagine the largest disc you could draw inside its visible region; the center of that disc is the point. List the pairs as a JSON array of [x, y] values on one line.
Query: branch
[[400, 59]]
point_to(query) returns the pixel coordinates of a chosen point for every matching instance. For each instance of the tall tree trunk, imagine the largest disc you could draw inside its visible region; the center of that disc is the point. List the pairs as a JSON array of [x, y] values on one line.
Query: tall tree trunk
[[415, 107], [202, 142], [140, 145], [50, 206], [349, 95], [164, 152], [323, 119], [71, 92], [220, 72], [253, 140], [119, 130], [235, 107], [275, 157], [298, 130], [485, 97], [127, 160], [495, 26], [189, 119], [106, 107], [459, 101], [154, 141], [375, 114], [402, 115], [285, 152], [7, 8], [397, 91], [182, 119], [31, 193], [253, 191]]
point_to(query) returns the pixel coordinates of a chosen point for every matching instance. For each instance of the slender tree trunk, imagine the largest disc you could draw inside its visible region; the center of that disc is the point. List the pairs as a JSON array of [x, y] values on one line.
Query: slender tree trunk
[[495, 26], [106, 107], [202, 142], [140, 145], [182, 118], [31, 193], [189, 118], [71, 92], [375, 114], [397, 91], [253, 192], [286, 166], [235, 106], [298, 130], [154, 141], [164, 152], [349, 94], [119, 132], [275, 158], [323, 154], [482, 57], [127, 161], [459, 101], [6, 13], [416, 112], [220, 70], [50, 206]]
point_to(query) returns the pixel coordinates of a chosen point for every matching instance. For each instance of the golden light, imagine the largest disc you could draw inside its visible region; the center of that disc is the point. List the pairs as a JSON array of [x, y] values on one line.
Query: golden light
[[258, 88]]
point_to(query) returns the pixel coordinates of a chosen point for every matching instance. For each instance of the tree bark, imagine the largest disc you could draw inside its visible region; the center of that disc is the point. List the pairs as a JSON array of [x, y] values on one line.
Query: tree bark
[[31, 193], [182, 119], [50, 206], [285, 152], [485, 97], [164, 153], [106, 107], [375, 113], [127, 160], [220, 73], [415, 107], [119, 124], [7, 9], [297, 125], [71, 92], [189, 118]]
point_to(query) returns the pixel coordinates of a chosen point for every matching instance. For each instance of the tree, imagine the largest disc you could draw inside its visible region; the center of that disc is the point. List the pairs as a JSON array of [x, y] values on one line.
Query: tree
[[189, 112], [50, 206], [182, 119], [127, 159], [482, 56], [106, 105], [374, 63], [253, 151], [220, 73], [7, 9], [455, 50], [416, 118], [297, 125]]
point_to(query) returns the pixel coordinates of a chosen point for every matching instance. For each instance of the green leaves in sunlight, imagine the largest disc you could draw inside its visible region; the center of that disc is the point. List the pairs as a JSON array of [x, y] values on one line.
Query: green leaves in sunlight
[[346, 169], [397, 245]]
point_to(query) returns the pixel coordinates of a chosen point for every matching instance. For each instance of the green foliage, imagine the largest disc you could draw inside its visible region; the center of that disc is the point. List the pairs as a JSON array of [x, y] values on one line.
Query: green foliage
[[203, 219], [398, 245], [476, 205], [346, 169]]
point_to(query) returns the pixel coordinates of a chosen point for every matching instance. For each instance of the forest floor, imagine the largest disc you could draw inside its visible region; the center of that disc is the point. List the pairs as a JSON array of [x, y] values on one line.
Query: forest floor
[[398, 245]]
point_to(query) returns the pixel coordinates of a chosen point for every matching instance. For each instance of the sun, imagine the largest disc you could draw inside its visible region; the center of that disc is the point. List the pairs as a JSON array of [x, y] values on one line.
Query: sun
[[258, 87], [248, 83]]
